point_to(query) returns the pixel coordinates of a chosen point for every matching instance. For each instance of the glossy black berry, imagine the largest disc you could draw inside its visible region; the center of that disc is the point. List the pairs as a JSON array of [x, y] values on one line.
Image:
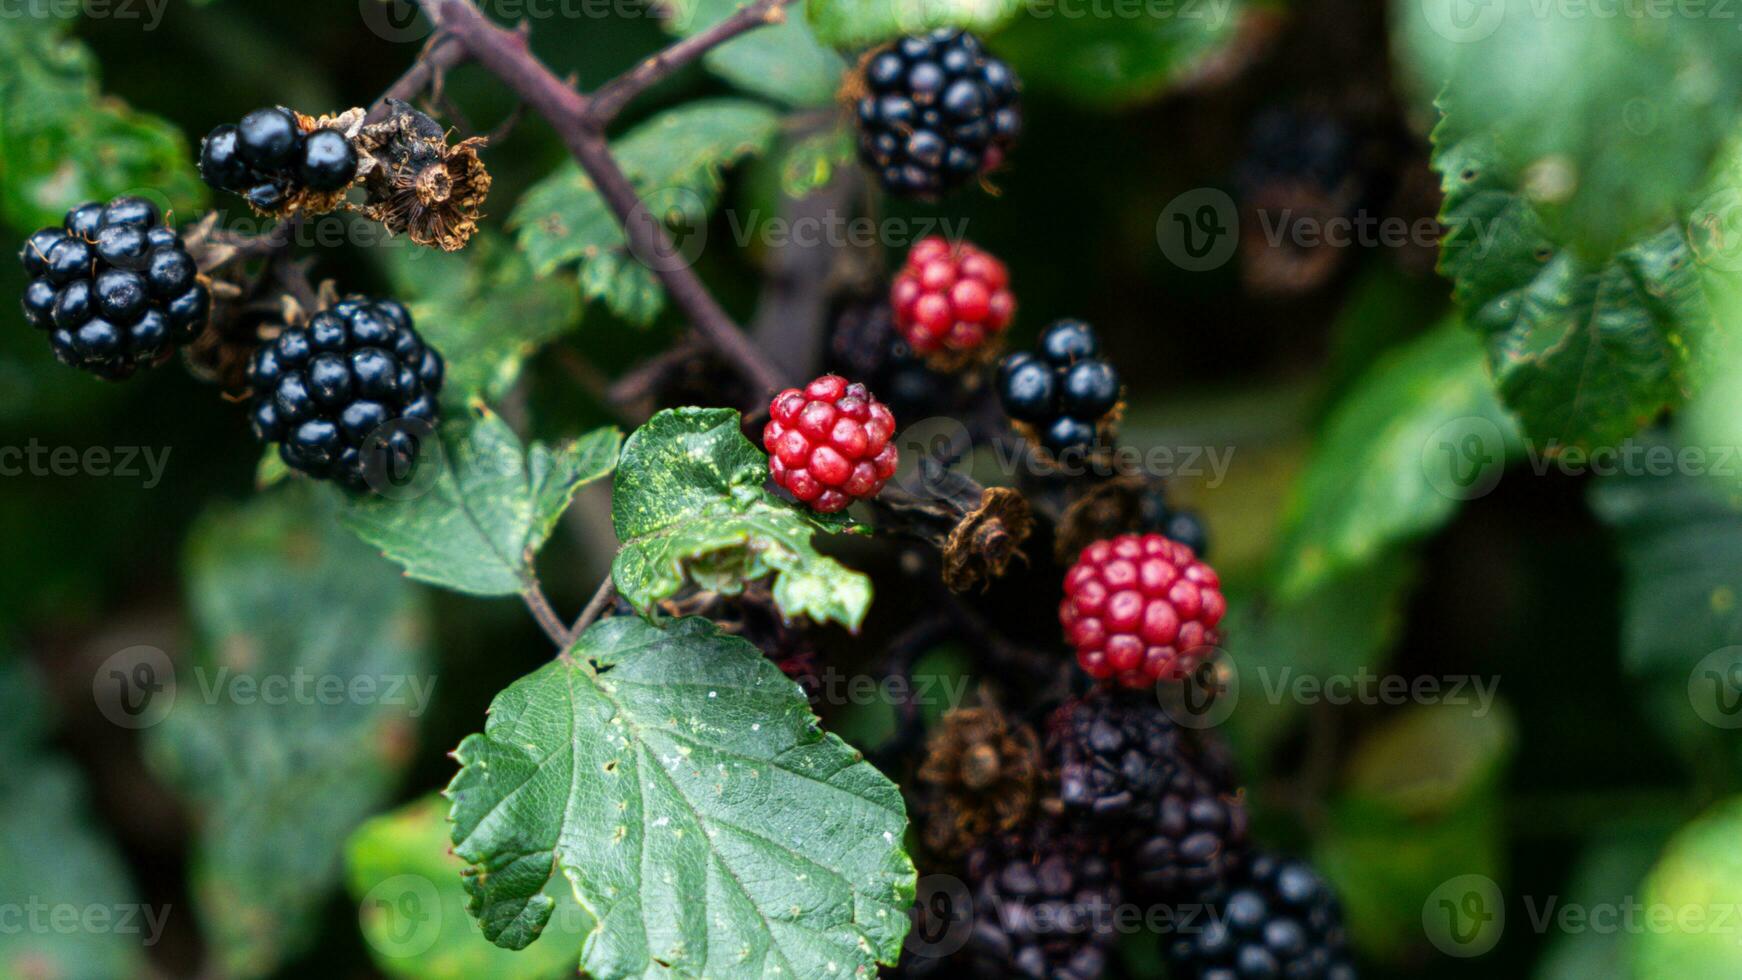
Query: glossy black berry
[[85, 221], [221, 163], [1067, 342], [1064, 391], [123, 246], [329, 162], [1029, 388], [1089, 390], [134, 212], [265, 139], [121, 296], [115, 289], [39, 301], [327, 391], [270, 161], [34, 254], [930, 120]]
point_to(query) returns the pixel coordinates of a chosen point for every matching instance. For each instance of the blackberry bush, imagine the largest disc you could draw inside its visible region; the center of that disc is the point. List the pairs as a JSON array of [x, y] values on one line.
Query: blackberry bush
[[330, 391], [937, 111], [114, 288]]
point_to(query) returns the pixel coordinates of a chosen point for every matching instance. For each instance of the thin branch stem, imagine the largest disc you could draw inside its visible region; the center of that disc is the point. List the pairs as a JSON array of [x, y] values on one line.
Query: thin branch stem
[[505, 54], [596, 607], [546, 616], [440, 55], [611, 97]]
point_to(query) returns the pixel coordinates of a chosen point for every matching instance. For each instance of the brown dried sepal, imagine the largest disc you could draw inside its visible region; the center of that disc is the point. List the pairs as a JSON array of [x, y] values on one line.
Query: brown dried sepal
[[983, 544], [957, 361], [1103, 511], [980, 775], [420, 185]]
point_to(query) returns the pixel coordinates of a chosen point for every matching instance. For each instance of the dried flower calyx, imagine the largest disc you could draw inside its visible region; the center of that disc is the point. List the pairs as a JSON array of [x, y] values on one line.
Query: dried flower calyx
[[981, 774], [418, 183]]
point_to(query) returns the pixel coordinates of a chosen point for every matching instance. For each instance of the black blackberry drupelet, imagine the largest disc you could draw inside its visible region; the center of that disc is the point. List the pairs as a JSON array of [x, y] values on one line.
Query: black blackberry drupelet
[[267, 158], [937, 111], [114, 288], [1064, 391], [1280, 918], [322, 390]]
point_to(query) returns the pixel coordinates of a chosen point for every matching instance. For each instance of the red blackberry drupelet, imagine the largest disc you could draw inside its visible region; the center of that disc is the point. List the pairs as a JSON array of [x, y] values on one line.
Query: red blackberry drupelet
[[1141, 608], [950, 298], [828, 445]]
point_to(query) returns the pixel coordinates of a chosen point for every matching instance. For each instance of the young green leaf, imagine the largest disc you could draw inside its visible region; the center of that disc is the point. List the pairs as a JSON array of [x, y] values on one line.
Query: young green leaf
[[62, 143], [412, 906], [483, 309], [784, 62], [1583, 352], [690, 504], [491, 505], [675, 161], [295, 719], [857, 23], [1421, 432], [680, 784]]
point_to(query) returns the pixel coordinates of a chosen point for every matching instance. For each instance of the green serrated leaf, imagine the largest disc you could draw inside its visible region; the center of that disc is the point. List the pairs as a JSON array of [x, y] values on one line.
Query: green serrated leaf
[[1584, 353], [295, 719], [679, 782], [478, 525], [63, 143], [1114, 61], [675, 161], [1420, 433], [784, 62], [690, 504], [857, 23], [1614, 120], [483, 309], [406, 883]]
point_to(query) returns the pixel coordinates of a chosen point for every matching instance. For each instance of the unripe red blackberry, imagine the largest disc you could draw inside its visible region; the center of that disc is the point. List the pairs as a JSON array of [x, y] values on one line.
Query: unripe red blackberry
[[1141, 608], [950, 299], [828, 444]]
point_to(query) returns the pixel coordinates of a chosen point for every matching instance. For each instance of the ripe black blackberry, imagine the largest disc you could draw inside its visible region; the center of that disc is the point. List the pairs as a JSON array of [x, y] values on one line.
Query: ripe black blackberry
[[114, 288], [936, 111], [321, 391], [270, 158], [1280, 919], [1065, 394], [1043, 908]]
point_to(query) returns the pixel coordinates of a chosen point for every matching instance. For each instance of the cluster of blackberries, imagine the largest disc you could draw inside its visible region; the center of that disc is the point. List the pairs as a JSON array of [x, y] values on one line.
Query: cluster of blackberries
[[1276, 918], [114, 288], [267, 158], [1064, 391], [937, 111], [327, 392]]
